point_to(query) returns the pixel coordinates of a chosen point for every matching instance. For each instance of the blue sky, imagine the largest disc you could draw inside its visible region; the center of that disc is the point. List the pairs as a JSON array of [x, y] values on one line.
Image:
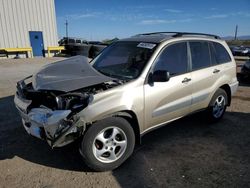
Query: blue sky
[[98, 20]]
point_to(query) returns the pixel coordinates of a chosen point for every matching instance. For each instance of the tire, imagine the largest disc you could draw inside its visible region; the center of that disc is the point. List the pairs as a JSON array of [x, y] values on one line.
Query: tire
[[107, 143], [217, 106]]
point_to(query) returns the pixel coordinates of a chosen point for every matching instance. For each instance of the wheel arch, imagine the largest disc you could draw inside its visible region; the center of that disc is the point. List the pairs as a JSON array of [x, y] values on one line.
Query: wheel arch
[[227, 89], [131, 117]]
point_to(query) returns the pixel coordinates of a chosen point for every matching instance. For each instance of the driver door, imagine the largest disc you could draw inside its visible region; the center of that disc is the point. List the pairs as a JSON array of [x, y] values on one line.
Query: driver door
[[168, 100]]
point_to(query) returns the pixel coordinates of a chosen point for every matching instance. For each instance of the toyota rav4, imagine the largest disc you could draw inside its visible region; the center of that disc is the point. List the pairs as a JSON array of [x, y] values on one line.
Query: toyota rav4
[[133, 86]]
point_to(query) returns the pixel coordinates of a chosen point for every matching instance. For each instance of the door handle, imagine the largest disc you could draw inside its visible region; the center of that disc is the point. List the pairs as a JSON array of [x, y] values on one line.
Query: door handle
[[216, 71], [186, 80]]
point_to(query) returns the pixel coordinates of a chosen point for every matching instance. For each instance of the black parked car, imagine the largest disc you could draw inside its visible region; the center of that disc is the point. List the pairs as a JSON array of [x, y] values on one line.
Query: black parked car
[[76, 46], [240, 50], [245, 72]]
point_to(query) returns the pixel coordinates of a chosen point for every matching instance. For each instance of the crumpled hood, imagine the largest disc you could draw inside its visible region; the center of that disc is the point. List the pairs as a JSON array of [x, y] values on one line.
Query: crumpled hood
[[68, 75]]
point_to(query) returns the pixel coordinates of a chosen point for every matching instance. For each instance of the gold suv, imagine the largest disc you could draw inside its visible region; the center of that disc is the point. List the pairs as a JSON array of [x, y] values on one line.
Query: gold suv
[[132, 86]]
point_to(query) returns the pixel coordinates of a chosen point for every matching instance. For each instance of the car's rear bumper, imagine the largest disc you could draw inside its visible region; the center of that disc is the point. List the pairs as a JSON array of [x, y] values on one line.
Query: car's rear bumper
[[52, 126], [233, 87]]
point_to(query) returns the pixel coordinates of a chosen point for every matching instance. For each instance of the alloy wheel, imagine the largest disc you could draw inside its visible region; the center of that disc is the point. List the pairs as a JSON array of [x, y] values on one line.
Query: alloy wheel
[[219, 106], [109, 144]]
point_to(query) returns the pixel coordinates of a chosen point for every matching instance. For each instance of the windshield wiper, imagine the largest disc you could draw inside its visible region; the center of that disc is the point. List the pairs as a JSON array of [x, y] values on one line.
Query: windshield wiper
[[114, 76], [124, 77], [103, 72]]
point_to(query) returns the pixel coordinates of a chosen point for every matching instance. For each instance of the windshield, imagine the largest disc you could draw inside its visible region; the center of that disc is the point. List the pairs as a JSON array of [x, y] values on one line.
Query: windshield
[[124, 60]]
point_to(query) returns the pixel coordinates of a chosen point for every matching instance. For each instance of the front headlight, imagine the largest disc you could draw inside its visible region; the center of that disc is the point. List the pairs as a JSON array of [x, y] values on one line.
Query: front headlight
[[245, 51], [73, 101]]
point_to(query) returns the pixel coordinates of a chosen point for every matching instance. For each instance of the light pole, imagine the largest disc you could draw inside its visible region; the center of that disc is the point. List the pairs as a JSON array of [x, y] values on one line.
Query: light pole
[[66, 23], [235, 34]]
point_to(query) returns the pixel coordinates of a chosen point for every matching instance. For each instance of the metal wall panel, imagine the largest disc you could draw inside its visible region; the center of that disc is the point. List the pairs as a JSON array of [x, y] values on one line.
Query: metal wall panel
[[18, 17]]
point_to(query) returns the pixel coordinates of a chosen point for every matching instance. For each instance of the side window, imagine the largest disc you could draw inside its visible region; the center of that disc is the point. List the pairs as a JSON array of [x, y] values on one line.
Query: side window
[[173, 59], [212, 54], [200, 55], [222, 55]]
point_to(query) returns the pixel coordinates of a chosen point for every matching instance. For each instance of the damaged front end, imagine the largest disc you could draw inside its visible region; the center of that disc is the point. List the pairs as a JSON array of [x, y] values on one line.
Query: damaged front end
[[50, 115], [50, 100]]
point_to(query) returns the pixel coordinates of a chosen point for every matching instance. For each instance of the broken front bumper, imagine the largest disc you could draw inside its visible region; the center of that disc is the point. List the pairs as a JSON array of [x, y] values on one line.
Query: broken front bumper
[[52, 126]]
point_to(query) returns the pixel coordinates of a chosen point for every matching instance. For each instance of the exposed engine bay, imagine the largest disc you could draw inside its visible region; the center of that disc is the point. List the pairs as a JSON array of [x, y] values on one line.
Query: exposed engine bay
[[58, 100]]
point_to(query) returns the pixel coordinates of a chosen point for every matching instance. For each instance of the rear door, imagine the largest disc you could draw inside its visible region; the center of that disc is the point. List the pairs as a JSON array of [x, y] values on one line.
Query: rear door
[[205, 73], [223, 60], [165, 101]]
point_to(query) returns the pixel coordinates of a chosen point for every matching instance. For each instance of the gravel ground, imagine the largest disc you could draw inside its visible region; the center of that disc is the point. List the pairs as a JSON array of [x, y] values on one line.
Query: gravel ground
[[186, 153]]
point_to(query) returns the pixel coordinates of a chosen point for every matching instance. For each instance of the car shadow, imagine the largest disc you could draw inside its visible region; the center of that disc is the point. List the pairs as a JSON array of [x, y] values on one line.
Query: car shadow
[[192, 153], [180, 154]]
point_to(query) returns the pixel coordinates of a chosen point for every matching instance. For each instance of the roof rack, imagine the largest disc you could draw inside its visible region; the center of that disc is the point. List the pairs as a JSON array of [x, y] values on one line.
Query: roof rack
[[180, 34]]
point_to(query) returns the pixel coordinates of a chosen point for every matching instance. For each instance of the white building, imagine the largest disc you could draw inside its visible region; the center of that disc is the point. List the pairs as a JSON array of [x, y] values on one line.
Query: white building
[[28, 24]]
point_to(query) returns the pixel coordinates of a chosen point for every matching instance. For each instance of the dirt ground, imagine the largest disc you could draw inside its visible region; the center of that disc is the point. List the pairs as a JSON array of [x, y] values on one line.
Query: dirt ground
[[185, 153]]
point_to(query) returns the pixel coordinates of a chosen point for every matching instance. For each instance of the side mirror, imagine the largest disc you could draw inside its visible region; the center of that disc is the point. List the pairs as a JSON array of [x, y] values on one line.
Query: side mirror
[[161, 76]]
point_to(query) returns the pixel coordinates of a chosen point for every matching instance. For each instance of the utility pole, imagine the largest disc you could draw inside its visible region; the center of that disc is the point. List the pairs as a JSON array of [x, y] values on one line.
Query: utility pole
[[66, 23], [235, 34]]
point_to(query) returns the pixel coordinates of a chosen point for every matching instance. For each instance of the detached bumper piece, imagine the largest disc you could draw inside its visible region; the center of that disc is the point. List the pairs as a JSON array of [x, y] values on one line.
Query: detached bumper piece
[[56, 127]]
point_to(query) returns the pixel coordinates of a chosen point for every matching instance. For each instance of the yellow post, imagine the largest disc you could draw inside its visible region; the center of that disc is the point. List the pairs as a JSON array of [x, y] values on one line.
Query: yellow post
[[48, 52], [55, 48]]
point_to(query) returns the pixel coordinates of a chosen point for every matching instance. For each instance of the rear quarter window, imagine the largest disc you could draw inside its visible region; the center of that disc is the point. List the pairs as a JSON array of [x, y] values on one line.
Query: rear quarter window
[[221, 53]]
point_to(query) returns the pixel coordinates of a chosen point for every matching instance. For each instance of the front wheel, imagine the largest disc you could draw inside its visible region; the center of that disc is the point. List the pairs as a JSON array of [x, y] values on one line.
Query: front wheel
[[108, 143], [217, 105]]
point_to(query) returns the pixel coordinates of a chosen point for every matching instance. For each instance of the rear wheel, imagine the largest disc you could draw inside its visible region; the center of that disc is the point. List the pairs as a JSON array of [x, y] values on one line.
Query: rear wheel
[[108, 143], [217, 105]]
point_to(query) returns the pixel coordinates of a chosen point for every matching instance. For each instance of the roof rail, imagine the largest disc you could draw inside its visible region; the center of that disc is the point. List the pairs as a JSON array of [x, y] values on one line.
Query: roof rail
[[155, 33], [180, 34]]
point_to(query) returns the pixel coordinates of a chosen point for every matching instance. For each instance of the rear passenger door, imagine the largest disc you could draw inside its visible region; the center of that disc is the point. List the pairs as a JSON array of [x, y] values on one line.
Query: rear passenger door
[[205, 73], [222, 59]]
